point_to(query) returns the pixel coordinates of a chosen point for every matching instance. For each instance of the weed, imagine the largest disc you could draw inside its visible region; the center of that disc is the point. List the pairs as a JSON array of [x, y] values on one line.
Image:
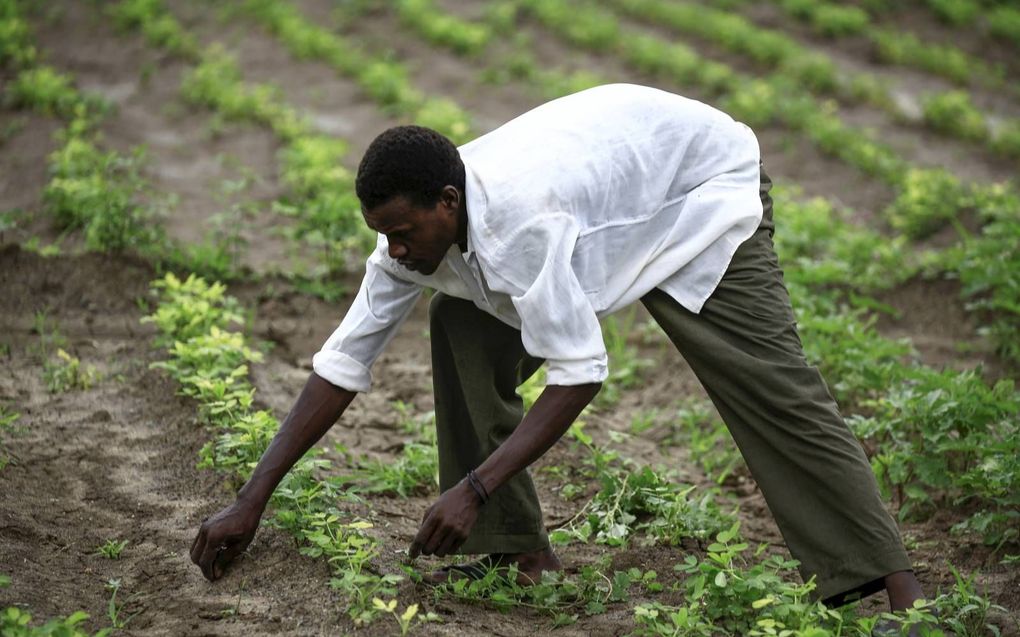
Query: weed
[[463, 37], [97, 192], [44, 90], [66, 373], [49, 334], [405, 619], [624, 364], [111, 549], [953, 112], [558, 596], [947, 435], [632, 499], [706, 438], [115, 610], [7, 420], [159, 28], [16, 48], [210, 363]]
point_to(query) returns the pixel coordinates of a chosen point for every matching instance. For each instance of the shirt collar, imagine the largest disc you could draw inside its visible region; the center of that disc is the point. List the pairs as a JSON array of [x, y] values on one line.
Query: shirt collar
[[474, 197]]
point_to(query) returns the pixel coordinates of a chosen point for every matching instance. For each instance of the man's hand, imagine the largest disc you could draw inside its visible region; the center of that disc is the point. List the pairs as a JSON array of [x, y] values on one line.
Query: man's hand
[[223, 537], [448, 522]]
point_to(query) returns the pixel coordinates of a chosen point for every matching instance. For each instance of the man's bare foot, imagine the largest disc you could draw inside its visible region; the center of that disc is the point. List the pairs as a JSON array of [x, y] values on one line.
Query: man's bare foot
[[903, 589], [530, 566]]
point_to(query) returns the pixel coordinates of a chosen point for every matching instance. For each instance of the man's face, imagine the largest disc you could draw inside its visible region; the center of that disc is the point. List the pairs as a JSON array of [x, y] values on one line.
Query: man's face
[[419, 237]]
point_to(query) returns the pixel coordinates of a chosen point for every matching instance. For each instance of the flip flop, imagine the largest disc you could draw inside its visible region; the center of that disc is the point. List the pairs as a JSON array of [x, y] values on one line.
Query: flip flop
[[471, 571]]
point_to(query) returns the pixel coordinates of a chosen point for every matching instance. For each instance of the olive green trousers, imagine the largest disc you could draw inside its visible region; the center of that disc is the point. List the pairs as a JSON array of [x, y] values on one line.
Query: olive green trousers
[[744, 348]]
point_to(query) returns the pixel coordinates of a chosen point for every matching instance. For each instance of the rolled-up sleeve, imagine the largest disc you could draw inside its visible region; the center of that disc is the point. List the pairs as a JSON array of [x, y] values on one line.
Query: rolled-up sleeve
[[558, 322], [382, 304]]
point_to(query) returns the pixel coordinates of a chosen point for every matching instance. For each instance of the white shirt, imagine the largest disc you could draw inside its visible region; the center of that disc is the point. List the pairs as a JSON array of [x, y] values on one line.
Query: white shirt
[[575, 209]]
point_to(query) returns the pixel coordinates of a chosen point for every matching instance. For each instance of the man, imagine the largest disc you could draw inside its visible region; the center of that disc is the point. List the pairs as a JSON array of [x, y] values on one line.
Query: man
[[530, 234]]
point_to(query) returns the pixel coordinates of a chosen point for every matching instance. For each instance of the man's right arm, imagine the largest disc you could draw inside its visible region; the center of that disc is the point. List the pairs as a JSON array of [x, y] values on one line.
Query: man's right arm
[[341, 369], [227, 534]]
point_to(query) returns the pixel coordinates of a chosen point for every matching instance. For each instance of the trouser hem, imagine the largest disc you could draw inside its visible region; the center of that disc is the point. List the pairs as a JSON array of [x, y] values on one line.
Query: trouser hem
[[486, 543], [861, 575]]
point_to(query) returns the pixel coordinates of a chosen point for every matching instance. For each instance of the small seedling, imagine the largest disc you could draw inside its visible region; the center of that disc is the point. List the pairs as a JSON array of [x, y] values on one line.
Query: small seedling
[[112, 549], [67, 372]]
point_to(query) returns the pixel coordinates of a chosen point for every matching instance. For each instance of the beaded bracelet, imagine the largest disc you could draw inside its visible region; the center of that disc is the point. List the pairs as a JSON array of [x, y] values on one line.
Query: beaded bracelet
[[477, 485]]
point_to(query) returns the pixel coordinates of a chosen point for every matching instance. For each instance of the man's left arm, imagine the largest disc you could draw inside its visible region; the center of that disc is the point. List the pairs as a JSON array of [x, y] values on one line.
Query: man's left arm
[[448, 522]]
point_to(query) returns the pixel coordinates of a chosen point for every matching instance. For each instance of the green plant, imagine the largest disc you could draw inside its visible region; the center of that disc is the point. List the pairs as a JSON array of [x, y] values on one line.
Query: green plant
[[191, 308], [97, 192], [405, 619], [560, 597], [632, 499], [423, 16], [7, 420], [210, 363], [114, 609], [158, 26], [706, 438], [45, 90], [928, 199], [66, 373], [1004, 22], [16, 48], [14, 621], [111, 549], [947, 435], [624, 364], [953, 112], [989, 270], [955, 12]]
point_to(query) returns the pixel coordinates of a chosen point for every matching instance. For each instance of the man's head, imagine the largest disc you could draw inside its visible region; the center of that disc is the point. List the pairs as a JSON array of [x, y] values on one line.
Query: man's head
[[411, 186]]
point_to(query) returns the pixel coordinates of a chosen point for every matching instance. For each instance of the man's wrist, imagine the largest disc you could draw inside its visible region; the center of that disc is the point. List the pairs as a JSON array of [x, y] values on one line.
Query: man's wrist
[[471, 491], [253, 496]]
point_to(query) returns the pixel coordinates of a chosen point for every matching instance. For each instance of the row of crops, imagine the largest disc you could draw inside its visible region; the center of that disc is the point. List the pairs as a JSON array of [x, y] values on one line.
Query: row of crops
[[937, 438]]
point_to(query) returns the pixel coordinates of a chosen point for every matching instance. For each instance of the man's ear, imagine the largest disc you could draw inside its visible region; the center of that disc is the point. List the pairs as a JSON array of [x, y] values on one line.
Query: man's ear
[[450, 197]]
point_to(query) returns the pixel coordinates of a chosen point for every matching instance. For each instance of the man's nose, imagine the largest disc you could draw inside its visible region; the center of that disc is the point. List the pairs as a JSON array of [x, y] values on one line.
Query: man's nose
[[397, 251]]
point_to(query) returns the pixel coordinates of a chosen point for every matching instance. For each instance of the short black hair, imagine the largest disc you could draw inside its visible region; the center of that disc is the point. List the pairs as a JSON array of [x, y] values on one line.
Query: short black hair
[[412, 161]]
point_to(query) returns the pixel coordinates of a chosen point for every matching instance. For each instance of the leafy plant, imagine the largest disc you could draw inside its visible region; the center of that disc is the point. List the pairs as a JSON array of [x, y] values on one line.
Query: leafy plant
[[405, 619], [558, 596], [45, 90], [66, 373], [632, 499], [210, 363], [947, 434], [464, 37], [928, 199], [111, 549], [706, 439], [16, 48], [7, 420], [954, 112], [97, 192], [157, 25]]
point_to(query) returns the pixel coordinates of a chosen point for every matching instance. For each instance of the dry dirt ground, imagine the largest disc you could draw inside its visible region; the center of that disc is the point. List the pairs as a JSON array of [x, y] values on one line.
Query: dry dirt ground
[[117, 461]]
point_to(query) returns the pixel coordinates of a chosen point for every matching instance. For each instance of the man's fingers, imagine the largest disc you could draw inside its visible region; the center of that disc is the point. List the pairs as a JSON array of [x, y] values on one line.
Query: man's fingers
[[449, 545], [439, 535], [206, 561], [198, 545], [226, 556], [422, 538]]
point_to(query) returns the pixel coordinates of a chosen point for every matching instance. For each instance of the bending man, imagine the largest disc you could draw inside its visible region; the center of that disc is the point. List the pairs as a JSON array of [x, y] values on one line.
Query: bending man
[[529, 235]]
